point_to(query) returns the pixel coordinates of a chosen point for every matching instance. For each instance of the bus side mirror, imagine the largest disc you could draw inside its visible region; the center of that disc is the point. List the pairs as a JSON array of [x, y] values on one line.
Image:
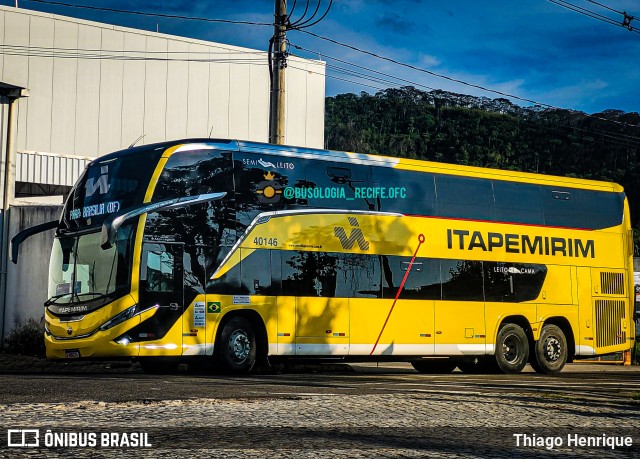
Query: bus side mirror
[[112, 223], [26, 233]]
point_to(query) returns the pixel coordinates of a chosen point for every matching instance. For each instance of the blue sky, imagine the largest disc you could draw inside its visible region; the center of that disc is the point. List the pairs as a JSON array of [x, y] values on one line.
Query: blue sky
[[533, 49]]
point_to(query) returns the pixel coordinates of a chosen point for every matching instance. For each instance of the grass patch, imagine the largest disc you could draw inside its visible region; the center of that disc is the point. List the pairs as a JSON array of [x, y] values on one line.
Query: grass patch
[[27, 338]]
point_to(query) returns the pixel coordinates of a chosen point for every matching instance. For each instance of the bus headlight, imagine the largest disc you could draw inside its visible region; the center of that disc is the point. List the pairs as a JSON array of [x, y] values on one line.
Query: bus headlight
[[119, 318]]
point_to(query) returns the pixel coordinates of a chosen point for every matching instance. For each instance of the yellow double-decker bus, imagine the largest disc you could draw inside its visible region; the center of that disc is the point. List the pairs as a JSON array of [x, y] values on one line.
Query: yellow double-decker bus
[[246, 253]]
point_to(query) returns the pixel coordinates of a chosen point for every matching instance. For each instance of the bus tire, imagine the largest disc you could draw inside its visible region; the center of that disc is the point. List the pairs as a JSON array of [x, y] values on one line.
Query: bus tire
[[435, 366], [550, 351], [237, 348], [512, 349]]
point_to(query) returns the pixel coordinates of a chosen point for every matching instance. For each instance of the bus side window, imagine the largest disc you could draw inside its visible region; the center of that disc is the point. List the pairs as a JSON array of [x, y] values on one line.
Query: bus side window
[[309, 273], [358, 276], [276, 273], [462, 280], [255, 271], [518, 202], [576, 208], [260, 181], [423, 281], [465, 197], [403, 189], [228, 283], [498, 281], [341, 185], [513, 282], [160, 272]]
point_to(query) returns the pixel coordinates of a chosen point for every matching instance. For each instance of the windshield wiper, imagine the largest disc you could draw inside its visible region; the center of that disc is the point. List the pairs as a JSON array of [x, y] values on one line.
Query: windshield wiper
[[96, 294], [55, 298]]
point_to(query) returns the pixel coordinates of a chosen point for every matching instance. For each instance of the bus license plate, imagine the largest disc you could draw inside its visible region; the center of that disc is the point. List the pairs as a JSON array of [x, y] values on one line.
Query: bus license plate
[[72, 353]]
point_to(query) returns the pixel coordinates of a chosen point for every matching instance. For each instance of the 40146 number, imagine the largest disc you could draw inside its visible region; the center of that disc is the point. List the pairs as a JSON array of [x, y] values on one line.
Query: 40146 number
[[270, 241]]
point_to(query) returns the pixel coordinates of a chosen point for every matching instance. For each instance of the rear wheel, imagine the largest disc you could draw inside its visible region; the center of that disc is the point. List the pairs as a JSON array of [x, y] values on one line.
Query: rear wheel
[[550, 351], [237, 348], [435, 366], [512, 349]]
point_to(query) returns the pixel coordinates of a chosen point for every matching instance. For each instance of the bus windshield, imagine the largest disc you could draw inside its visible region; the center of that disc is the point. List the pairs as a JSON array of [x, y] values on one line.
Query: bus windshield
[[109, 185], [81, 271]]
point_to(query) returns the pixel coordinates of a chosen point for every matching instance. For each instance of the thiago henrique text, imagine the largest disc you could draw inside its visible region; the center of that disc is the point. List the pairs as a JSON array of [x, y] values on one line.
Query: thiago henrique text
[[573, 441]]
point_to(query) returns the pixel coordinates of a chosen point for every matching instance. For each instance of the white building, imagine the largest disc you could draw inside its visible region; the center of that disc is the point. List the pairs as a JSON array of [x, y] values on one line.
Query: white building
[[82, 89]]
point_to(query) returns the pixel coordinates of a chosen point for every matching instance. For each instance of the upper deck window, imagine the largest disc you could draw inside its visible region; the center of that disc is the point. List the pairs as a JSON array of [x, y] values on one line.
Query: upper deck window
[[109, 185]]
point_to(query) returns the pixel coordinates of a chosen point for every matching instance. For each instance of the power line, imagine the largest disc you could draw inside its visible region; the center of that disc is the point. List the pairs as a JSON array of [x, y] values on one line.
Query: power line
[[120, 55], [363, 67], [95, 50], [380, 88], [419, 69], [300, 24], [584, 11], [363, 76], [144, 13], [605, 6], [626, 23]]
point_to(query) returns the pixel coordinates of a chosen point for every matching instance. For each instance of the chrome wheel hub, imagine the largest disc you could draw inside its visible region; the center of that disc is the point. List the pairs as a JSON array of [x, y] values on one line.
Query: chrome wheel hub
[[552, 349], [239, 346], [510, 349]]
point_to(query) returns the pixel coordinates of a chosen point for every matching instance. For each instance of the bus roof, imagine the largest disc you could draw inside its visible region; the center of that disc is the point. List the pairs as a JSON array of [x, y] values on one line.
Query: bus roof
[[433, 167], [378, 160]]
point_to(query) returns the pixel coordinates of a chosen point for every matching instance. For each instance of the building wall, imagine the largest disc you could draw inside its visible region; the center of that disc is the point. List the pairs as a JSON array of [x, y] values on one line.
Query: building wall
[[115, 84], [4, 115], [27, 280]]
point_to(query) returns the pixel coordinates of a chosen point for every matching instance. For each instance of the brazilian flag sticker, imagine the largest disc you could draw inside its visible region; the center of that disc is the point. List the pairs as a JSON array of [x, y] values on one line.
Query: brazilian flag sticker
[[213, 307]]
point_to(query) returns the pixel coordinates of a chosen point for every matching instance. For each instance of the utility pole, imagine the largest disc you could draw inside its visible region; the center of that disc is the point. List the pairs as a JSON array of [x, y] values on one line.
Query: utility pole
[[279, 50]]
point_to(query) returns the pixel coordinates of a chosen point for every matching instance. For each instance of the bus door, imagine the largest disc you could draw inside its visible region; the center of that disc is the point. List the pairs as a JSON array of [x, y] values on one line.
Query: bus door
[[408, 328], [197, 307], [322, 326], [460, 316], [319, 323], [162, 285]]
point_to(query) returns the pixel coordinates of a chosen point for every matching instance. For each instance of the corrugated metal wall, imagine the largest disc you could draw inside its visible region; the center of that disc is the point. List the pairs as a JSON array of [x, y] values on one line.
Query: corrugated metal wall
[[115, 84], [34, 167], [27, 280]]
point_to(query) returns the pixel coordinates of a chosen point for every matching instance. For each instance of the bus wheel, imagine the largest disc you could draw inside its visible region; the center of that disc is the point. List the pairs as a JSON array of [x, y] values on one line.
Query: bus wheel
[[550, 351], [435, 366], [512, 349], [237, 346]]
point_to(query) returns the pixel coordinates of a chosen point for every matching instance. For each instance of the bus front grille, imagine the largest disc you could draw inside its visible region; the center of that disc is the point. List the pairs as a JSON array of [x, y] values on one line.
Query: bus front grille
[[609, 317], [612, 283]]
